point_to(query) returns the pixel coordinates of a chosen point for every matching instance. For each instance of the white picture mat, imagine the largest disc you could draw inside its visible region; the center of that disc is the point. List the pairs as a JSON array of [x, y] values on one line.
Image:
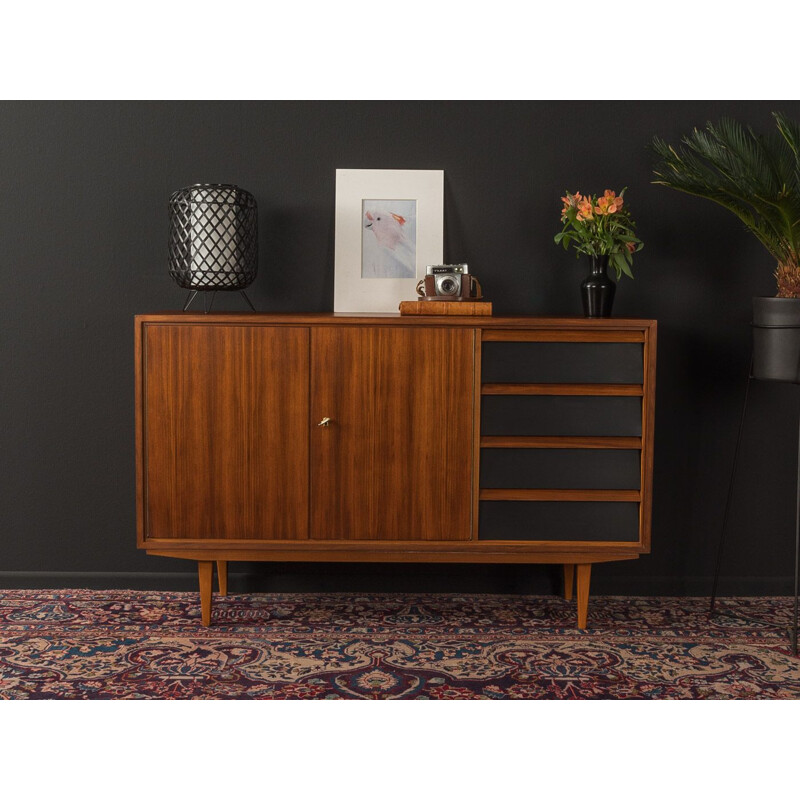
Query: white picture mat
[[351, 292]]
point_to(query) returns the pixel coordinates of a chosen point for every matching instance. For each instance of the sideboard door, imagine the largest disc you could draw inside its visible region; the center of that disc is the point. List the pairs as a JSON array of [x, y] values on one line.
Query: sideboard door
[[395, 459], [225, 432]]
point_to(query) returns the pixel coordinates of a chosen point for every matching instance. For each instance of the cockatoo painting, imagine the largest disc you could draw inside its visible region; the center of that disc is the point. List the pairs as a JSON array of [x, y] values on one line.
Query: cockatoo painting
[[389, 239]]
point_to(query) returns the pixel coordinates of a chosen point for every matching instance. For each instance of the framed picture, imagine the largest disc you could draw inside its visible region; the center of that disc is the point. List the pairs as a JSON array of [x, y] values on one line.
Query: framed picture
[[389, 227]]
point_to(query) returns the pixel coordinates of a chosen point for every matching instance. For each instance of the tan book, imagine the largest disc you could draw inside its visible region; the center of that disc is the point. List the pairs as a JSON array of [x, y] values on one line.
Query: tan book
[[436, 308]]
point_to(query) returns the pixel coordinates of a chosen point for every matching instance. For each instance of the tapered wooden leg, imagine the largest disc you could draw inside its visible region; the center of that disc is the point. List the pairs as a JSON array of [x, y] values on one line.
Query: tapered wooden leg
[[222, 577], [584, 574], [569, 576], [205, 573]]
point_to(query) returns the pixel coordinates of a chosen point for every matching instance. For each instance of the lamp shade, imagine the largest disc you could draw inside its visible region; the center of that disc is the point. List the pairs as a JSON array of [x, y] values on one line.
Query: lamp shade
[[213, 237]]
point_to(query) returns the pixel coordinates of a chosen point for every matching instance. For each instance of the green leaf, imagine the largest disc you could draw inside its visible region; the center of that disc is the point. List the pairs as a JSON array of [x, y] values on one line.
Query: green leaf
[[621, 266], [757, 178]]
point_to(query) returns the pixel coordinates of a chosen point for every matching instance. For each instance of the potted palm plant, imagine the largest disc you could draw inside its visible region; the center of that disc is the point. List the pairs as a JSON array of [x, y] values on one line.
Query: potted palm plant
[[757, 178]]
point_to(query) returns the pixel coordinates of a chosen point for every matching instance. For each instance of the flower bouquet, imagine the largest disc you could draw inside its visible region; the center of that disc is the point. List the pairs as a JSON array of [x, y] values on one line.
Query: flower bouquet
[[600, 226]]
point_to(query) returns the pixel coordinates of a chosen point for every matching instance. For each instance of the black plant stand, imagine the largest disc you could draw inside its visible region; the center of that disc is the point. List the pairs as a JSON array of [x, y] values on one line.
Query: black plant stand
[[792, 630]]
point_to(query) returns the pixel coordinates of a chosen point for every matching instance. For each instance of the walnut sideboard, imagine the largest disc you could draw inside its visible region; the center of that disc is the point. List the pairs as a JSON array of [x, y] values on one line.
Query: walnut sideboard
[[387, 438]]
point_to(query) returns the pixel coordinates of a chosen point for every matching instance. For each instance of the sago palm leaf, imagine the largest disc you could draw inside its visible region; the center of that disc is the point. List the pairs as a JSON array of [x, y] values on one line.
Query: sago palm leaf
[[790, 133], [691, 174], [756, 178]]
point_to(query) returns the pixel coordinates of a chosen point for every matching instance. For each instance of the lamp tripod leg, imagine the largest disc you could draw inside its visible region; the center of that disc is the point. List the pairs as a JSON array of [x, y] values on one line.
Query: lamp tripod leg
[[247, 300], [189, 299]]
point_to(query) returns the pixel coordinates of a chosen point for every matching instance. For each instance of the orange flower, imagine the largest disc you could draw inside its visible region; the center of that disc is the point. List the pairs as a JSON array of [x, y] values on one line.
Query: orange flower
[[631, 246], [570, 201], [609, 203], [584, 210]]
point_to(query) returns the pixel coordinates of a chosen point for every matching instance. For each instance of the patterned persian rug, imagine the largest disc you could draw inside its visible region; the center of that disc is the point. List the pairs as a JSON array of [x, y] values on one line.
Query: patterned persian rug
[[139, 645]]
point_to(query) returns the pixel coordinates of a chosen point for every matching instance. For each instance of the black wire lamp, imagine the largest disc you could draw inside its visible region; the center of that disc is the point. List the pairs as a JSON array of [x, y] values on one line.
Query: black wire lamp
[[213, 240]]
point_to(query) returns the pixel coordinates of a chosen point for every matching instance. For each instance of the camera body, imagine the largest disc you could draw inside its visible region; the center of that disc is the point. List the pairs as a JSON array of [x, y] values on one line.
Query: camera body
[[447, 280]]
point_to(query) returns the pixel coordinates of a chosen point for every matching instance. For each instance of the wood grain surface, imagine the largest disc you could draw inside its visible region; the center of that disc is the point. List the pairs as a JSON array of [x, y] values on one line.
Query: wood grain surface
[[560, 328], [225, 425], [648, 434], [396, 460]]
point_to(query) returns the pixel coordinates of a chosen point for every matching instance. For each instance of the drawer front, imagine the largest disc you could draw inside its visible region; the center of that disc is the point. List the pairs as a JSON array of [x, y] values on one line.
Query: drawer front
[[509, 415], [562, 362], [560, 469], [559, 521]]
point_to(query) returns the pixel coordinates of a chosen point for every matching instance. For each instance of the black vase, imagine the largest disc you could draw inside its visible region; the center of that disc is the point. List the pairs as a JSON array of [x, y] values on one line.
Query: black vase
[[597, 291], [776, 339]]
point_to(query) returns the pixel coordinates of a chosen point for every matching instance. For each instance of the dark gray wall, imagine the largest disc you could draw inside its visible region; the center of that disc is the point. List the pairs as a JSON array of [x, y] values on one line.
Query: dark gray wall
[[83, 228]]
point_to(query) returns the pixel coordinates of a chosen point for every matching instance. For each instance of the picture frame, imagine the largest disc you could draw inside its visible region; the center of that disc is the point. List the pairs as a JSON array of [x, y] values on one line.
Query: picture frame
[[389, 227]]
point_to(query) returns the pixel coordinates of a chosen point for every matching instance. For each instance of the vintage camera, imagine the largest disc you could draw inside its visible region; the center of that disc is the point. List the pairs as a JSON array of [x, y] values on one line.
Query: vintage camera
[[447, 280]]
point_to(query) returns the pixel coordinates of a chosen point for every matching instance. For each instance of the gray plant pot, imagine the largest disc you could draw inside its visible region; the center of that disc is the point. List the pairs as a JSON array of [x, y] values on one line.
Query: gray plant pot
[[776, 339]]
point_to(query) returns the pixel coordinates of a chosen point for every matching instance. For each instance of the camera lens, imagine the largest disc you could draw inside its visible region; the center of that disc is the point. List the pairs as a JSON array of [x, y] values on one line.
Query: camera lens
[[448, 286]]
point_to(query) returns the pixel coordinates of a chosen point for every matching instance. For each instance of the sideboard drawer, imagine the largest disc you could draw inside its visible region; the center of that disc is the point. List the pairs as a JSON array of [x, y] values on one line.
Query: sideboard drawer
[[531, 415], [562, 362], [535, 468], [559, 521]]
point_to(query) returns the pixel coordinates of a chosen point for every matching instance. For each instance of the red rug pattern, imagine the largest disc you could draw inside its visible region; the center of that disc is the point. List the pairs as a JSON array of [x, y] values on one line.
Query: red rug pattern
[[83, 644]]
